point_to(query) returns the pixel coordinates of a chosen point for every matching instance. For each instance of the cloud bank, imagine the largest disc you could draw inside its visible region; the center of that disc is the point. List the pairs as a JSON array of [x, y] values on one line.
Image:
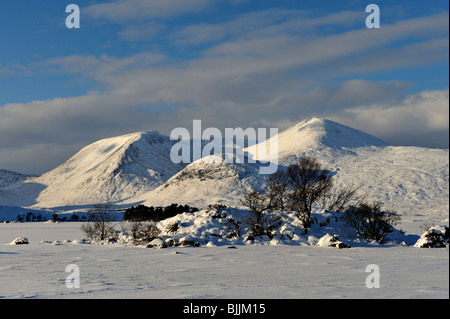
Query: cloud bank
[[267, 68]]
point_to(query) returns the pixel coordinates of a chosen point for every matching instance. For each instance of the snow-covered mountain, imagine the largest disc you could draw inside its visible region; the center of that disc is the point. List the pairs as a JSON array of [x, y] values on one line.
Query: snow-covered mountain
[[412, 180], [215, 179], [136, 168], [112, 169], [318, 137], [208, 182]]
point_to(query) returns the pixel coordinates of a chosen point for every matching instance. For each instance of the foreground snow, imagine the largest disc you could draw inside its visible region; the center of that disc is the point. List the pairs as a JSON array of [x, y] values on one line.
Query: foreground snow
[[38, 270]]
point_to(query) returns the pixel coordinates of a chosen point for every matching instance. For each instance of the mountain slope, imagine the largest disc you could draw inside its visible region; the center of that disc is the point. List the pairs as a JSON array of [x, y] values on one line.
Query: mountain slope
[[210, 180], [9, 179], [14, 189], [112, 169], [412, 180]]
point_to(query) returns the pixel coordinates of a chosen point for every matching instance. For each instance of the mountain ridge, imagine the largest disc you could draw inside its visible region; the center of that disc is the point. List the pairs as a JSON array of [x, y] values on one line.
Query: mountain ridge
[[136, 169]]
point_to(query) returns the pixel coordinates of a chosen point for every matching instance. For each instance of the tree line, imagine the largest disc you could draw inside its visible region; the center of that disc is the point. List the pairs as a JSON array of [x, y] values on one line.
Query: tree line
[[151, 213]]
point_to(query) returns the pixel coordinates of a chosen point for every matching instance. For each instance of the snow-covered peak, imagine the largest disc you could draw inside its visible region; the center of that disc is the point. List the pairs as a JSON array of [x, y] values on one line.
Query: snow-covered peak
[[111, 169], [319, 134], [317, 131]]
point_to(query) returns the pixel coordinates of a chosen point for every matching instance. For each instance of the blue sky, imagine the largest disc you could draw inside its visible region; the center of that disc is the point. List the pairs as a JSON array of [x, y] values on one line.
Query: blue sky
[[138, 65]]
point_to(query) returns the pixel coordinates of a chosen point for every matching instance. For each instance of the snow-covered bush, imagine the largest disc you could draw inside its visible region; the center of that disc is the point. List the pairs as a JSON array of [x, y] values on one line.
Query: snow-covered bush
[[370, 221], [172, 228], [434, 237], [143, 232]]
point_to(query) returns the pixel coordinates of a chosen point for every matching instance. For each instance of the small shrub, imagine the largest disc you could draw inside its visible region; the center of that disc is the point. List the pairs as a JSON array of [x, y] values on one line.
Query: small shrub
[[370, 221], [20, 218], [217, 207], [144, 232], [55, 218], [172, 228]]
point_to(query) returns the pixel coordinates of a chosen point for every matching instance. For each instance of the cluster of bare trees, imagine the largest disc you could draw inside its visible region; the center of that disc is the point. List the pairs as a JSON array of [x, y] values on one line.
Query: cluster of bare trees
[[101, 226], [302, 186], [101, 223]]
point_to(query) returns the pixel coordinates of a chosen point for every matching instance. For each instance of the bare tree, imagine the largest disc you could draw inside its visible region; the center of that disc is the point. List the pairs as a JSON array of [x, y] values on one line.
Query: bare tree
[[277, 186], [338, 199], [258, 203], [299, 188], [309, 181], [100, 225]]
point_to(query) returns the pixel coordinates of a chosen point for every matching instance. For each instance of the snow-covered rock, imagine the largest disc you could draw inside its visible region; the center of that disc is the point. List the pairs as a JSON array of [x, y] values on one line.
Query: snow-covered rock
[[157, 243], [331, 241], [188, 241], [20, 241]]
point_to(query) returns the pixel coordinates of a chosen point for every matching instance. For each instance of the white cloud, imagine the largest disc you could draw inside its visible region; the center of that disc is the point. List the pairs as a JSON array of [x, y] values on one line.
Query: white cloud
[[262, 74], [6, 71], [99, 67], [420, 119], [262, 24], [141, 32], [129, 10]]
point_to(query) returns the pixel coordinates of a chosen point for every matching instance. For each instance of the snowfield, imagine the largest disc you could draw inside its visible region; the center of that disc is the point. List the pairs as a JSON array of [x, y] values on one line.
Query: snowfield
[[291, 265]]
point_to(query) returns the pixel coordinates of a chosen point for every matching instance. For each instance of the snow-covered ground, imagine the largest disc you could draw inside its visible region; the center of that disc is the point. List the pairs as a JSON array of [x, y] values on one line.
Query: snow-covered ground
[[259, 270]]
